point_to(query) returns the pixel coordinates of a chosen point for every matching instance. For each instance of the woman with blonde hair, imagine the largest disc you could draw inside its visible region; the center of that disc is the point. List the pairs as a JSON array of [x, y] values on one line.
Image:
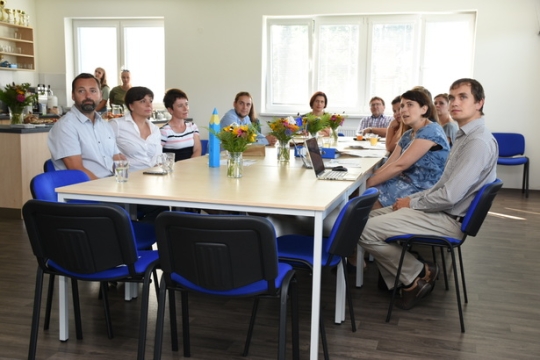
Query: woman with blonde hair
[[450, 127], [101, 75]]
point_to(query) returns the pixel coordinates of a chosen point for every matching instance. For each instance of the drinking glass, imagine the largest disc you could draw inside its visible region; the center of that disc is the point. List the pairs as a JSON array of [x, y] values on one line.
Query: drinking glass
[[121, 170], [170, 157]]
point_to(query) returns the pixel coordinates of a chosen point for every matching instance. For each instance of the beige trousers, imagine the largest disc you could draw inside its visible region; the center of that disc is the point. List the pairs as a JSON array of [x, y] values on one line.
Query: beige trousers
[[385, 223]]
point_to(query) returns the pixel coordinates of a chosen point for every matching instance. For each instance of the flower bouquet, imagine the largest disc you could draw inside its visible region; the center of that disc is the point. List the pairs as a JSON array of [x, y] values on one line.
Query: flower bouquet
[[17, 97], [335, 121], [283, 129], [235, 139], [313, 123]]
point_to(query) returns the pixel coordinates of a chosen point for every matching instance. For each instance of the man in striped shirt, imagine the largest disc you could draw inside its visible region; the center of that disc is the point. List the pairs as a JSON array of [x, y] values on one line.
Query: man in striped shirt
[[377, 123], [439, 210]]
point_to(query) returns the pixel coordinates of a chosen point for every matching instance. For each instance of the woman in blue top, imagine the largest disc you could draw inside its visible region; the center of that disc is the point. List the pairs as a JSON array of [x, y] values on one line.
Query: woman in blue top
[[419, 158]]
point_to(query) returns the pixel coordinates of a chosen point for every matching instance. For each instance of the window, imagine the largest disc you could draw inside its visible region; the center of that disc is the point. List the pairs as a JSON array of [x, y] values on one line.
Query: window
[[136, 45], [353, 58]]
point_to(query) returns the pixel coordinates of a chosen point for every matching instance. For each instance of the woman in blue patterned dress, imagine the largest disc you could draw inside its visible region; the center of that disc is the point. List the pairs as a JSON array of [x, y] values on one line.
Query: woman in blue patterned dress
[[419, 158]]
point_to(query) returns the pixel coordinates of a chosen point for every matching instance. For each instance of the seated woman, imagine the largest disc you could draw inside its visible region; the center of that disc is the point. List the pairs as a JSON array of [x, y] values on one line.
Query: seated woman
[[396, 128], [179, 136], [136, 136], [318, 103], [419, 157], [450, 127]]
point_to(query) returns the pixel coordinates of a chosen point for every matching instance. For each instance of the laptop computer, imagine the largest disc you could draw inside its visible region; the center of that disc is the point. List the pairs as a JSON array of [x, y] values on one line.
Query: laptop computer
[[318, 164], [301, 151]]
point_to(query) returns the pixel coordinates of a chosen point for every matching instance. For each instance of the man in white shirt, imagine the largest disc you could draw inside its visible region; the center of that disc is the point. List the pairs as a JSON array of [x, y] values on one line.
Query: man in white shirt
[[377, 122], [81, 139]]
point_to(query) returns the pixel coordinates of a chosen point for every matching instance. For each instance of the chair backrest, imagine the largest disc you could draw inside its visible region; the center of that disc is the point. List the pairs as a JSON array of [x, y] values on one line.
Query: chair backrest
[[82, 239], [217, 252], [204, 147], [48, 166], [480, 207], [350, 223], [42, 185], [510, 144]]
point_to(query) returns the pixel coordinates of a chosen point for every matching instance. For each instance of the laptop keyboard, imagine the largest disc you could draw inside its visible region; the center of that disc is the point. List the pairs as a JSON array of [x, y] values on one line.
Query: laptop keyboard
[[335, 175]]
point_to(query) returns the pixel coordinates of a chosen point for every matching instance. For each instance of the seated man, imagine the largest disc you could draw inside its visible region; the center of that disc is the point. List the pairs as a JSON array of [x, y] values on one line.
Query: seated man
[[438, 210], [81, 139], [377, 122], [244, 114]]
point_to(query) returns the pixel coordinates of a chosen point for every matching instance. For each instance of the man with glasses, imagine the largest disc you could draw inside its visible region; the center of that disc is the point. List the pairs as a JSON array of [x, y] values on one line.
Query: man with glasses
[[377, 122]]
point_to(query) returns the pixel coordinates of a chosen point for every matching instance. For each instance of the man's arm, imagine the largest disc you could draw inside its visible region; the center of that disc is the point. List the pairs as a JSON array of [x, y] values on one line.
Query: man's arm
[[377, 131], [75, 163]]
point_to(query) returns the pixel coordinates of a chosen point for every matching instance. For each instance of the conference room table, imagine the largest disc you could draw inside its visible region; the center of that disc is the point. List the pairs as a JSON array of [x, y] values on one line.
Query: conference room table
[[267, 186]]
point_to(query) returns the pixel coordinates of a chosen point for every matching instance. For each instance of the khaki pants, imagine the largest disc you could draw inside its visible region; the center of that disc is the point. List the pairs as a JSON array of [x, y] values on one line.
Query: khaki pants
[[385, 223]]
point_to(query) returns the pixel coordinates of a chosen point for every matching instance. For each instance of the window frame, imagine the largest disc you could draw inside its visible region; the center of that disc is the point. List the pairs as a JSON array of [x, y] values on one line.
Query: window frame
[[366, 22]]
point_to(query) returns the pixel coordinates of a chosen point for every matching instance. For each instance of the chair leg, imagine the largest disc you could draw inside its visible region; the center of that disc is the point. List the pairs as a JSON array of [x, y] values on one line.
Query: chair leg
[[76, 309], [282, 335], [156, 282], [105, 297], [158, 339], [172, 320], [462, 276], [50, 295], [294, 320], [458, 296], [396, 282], [323, 337], [35, 315], [144, 313], [251, 325], [525, 184], [185, 323], [349, 298], [443, 260]]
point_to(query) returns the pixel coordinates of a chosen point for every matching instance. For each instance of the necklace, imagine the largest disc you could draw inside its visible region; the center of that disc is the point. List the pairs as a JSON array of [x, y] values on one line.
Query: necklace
[[413, 133]]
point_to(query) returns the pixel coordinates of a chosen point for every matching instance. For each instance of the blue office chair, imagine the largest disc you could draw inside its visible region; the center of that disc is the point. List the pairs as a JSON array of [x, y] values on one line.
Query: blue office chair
[[298, 249], [48, 166], [470, 226], [86, 242], [43, 186], [227, 255], [204, 146], [511, 151]]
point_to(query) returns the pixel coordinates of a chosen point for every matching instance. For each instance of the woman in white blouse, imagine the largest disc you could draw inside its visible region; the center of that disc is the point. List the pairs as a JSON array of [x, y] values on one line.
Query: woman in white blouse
[[136, 136]]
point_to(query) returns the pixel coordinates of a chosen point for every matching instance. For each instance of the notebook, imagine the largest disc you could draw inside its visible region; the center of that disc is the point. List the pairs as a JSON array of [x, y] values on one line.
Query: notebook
[[318, 164]]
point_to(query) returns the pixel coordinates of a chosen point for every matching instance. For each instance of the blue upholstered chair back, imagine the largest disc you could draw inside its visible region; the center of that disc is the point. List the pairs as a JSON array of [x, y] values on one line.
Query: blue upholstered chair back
[[42, 186], [510, 144]]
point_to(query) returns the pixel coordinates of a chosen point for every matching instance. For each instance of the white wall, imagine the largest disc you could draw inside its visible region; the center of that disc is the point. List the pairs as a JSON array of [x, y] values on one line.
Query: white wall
[[213, 50]]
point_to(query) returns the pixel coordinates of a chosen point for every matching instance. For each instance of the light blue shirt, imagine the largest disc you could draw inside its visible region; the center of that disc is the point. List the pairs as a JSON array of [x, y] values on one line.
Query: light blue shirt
[[75, 134], [231, 117]]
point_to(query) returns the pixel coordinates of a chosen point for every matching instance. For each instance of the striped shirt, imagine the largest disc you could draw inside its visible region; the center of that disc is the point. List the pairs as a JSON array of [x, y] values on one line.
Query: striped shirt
[[381, 121], [175, 141], [471, 164]]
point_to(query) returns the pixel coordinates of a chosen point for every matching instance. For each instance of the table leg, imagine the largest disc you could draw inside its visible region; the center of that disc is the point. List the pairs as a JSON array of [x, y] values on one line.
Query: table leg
[[63, 308], [340, 295], [316, 289], [359, 266]]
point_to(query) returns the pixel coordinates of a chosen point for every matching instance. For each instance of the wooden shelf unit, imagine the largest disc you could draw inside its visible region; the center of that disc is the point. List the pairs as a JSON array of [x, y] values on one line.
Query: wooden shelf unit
[[17, 46]]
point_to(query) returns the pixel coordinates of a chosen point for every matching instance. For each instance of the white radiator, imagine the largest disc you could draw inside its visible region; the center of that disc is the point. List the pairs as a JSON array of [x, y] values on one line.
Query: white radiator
[[347, 131]]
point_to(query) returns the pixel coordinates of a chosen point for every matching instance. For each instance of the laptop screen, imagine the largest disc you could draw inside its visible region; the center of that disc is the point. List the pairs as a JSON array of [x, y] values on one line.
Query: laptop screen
[[315, 155]]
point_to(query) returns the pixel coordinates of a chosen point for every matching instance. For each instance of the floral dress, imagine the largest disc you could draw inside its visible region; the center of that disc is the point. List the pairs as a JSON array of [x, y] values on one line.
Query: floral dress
[[424, 173]]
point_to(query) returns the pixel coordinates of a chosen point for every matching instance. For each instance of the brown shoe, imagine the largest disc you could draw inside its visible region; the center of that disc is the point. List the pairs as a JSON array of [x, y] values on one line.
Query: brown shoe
[[432, 273], [411, 296]]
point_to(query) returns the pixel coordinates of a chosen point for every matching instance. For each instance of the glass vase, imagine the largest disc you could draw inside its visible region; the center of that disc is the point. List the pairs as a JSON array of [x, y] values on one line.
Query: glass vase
[[284, 152], [334, 138], [15, 116], [235, 164]]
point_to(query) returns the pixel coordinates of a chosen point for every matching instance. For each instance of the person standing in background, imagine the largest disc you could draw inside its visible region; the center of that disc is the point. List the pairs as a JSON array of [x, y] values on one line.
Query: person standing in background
[[101, 75], [118, 93]]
